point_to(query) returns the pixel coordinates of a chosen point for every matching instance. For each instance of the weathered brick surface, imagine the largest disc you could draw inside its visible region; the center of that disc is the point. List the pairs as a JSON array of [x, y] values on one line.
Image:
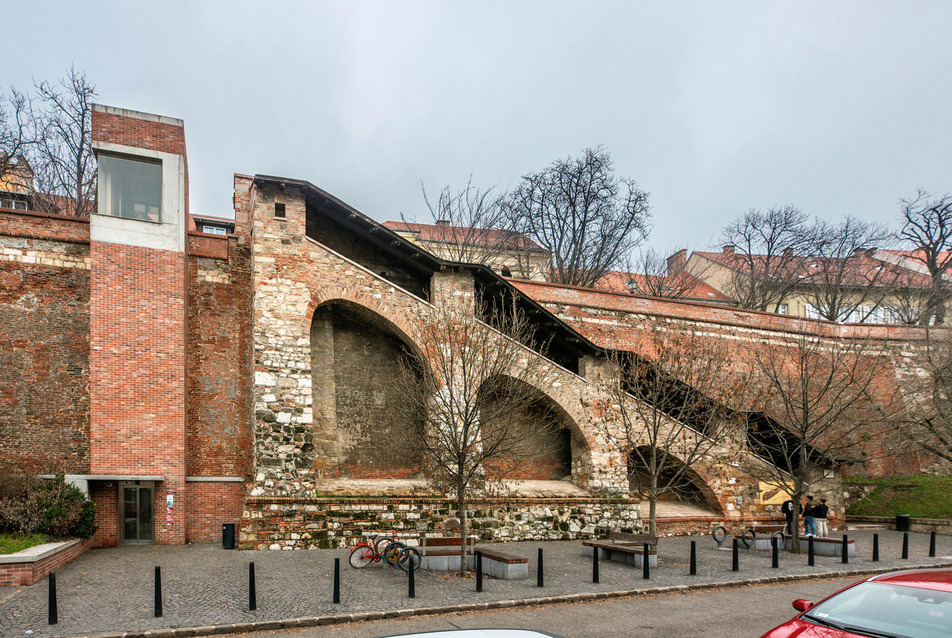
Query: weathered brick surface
[[44, 355], [140, 133], [219, 440]]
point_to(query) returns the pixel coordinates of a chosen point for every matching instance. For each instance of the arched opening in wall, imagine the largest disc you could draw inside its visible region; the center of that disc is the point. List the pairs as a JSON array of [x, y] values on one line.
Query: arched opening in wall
[[547, 443], [356, 358], [684, 489]]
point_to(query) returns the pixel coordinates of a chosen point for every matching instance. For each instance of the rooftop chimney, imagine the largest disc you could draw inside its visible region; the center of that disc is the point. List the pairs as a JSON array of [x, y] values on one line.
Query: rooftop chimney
[[677, 262], [443, 222], [728, 249]]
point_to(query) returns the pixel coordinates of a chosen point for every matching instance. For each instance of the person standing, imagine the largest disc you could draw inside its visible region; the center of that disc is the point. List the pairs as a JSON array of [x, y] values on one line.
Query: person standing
[[787, 509], [809, 521], [820, 513]]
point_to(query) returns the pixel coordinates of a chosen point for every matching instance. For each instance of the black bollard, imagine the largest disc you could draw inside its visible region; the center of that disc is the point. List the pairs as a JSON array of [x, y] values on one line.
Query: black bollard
[[811, 554], [846, 549], [158, 592], [875, 548], [479, 571], [252, 594], [646, 562], [336, 581], [905, 545], [694, 558], [595, 565], [410, 581], [539, 579], [735, 562], [932, 544], [52, 609], [775, 553]]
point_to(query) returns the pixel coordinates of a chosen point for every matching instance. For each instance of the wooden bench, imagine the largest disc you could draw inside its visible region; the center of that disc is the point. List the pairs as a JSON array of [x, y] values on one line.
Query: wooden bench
[[624, 548], [827, 546], [505, 566], [443, 553]]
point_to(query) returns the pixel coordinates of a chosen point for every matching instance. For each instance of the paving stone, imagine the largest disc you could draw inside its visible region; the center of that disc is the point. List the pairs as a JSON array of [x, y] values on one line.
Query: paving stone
[[205, 588]]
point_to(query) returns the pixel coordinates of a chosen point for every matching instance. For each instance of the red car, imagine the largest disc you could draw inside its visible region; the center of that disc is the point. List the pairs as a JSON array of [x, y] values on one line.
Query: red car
[[915, 603]]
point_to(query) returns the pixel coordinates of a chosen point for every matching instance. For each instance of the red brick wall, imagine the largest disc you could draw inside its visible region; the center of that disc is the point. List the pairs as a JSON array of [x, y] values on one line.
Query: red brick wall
[[208, 506], [28, 224], [219, 438], [44, 367], [107, 513], [132, 131], [137, 364]]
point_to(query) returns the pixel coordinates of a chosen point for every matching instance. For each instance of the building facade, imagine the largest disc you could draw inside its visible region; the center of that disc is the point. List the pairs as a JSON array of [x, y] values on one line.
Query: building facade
[[188, 380]]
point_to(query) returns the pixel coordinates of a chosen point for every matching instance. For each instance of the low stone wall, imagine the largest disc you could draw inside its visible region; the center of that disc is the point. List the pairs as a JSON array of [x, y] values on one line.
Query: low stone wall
[[31, 565], [922, 525], [301, 523]]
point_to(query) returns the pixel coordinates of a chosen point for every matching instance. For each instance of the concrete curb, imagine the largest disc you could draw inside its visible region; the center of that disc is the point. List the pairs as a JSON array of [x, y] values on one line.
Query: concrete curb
[[314, 621]]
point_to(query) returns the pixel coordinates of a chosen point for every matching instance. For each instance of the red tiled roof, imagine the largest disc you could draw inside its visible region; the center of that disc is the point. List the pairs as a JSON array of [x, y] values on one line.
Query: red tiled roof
[[459, 234], [616, 281], [859, 270]]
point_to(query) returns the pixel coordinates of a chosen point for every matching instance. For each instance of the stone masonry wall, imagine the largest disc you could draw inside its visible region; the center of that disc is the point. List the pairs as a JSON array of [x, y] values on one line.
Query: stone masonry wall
[[293, 276], [270, 523]]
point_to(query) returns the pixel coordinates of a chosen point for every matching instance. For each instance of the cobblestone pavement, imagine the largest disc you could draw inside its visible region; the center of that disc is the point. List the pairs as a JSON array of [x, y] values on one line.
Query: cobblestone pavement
[[111, 590]]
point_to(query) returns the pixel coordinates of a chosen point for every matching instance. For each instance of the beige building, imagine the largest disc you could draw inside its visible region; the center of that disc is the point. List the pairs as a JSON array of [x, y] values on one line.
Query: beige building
[[871, 286], [508, 253]]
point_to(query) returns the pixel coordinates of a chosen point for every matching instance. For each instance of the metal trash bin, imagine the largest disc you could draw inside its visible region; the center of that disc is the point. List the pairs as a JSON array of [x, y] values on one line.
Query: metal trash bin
[[228, 535], [902, 522]]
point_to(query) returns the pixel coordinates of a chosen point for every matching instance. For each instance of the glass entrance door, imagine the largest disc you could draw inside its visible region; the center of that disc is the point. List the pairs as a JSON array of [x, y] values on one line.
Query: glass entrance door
[[137, 513]]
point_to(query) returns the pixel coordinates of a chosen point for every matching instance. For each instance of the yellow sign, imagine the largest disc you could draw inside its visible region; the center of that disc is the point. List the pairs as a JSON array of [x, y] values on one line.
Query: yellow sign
[[772, 495]]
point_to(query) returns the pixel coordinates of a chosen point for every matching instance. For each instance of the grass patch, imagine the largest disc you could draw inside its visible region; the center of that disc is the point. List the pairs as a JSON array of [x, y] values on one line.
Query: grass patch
[[918, 496], [12, 543]]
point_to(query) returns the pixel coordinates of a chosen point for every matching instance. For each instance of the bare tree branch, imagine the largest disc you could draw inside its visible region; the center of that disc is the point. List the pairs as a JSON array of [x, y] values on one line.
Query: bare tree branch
[[462, 405], [927, 229], [588, 219]]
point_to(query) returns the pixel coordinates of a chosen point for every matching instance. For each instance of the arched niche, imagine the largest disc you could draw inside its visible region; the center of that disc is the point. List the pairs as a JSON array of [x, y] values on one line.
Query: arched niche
[[555, 444], [356, 358], [690, 487]]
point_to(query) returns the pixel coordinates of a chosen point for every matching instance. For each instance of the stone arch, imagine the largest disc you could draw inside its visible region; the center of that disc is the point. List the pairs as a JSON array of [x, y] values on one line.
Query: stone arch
[[693, 488], [355, 357], [561, 452]]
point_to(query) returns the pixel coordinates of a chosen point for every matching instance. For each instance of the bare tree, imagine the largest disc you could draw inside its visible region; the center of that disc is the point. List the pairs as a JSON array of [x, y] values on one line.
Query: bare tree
[[471, 227], [63, 158], [16, 135], [929, 396], [838, 278], [669, 419], [462, 404], [763, 255], [651, 273], [822, 404], [927, 229], [588, 219]]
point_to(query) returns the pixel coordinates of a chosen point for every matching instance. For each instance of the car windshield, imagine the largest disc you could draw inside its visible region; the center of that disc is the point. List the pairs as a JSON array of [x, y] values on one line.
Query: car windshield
[[881, 609]]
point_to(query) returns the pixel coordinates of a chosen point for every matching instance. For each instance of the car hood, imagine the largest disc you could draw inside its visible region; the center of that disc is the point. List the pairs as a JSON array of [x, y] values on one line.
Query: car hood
[[797, 628]]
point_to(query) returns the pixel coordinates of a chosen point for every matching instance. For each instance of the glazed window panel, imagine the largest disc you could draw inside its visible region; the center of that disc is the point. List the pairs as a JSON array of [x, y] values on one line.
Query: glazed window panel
[[130, 188]]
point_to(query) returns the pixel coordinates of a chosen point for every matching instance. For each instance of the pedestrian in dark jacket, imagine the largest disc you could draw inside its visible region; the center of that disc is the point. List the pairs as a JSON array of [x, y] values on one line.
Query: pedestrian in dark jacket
[[809, 522], [787, 509]]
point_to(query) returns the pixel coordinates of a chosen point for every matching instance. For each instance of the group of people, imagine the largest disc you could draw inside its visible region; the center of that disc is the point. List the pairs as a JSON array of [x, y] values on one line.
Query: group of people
[[814, 516]]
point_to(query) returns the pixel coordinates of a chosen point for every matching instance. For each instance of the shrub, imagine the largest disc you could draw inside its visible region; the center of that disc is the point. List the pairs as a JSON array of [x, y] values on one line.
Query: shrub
[[51, 507]]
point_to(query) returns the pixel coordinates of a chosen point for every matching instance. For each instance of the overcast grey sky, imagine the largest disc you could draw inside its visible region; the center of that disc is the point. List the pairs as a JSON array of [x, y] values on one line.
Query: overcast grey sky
[[714, 107]]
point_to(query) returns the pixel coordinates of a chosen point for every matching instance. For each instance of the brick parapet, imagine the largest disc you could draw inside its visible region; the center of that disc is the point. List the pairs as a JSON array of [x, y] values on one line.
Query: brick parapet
[[29, 571], [34, 225]]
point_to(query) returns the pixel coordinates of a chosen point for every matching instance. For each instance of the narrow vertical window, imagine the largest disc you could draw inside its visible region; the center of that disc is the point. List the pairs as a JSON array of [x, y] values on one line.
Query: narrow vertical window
[[279, 211]]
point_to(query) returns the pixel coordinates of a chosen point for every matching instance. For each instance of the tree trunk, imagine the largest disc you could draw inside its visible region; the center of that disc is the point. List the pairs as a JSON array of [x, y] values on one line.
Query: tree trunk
[[653, 506], [461, 505]]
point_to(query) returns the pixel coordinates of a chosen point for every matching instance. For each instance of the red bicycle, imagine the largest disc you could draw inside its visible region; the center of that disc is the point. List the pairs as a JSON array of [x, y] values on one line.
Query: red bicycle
[[385, 548]]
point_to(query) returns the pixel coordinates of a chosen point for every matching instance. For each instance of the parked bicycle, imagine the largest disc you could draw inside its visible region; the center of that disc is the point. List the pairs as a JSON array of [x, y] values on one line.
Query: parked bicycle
[[386, 548]]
